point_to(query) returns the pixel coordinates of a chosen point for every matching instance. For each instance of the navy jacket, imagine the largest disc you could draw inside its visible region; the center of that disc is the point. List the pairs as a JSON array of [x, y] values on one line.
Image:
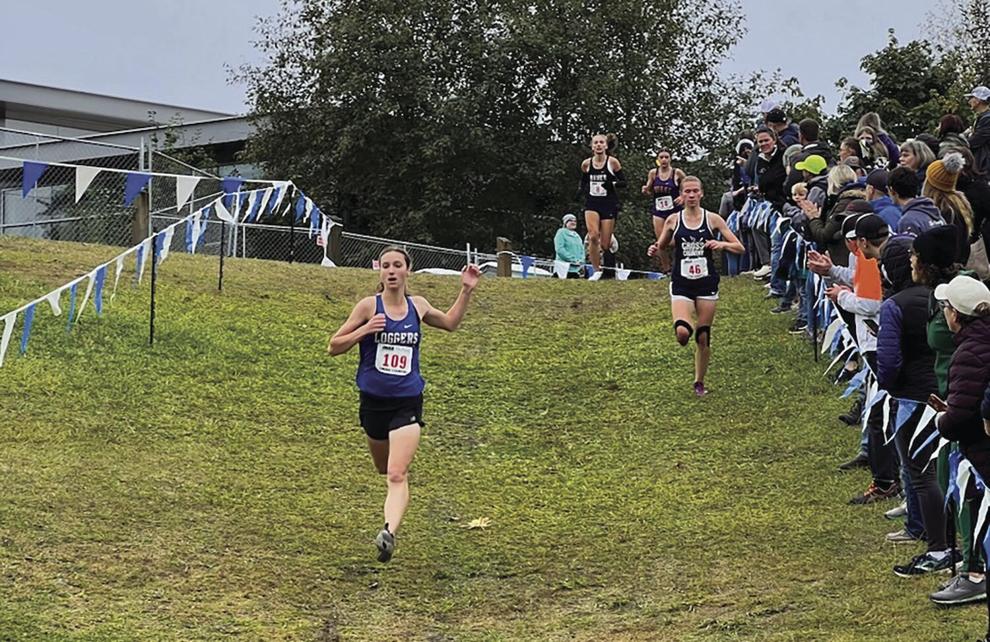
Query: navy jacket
[[969, 374]]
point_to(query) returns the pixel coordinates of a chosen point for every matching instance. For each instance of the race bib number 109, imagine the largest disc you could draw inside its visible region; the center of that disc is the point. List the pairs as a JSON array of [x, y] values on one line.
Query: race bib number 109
[[393, 360]]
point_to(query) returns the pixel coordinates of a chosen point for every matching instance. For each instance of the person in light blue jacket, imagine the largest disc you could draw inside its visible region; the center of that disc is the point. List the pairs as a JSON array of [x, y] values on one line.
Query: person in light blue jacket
[[569, 247]]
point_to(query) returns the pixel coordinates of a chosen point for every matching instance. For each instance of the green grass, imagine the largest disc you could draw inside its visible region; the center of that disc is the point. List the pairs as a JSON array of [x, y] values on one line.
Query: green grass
[[217, 485]]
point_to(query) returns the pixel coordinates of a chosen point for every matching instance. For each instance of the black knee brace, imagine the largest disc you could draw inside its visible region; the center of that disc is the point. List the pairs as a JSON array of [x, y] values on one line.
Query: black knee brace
[[683, 324], [704, 330]]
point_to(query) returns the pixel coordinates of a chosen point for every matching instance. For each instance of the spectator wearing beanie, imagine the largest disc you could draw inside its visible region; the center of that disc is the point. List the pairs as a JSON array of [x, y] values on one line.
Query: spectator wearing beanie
[[787, 132], [932, 264], [876, 194], [569, 247], [950, 135], [906, 370], [979, 140], [917, 214], [940, 187]]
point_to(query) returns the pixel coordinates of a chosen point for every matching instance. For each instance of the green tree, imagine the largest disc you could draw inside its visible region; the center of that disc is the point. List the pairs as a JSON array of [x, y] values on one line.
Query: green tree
[[453, 120]]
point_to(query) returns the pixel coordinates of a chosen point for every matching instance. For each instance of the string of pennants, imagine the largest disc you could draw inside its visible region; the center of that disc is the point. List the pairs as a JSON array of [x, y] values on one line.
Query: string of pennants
[[838, 341], [561, 268], [231, 205]]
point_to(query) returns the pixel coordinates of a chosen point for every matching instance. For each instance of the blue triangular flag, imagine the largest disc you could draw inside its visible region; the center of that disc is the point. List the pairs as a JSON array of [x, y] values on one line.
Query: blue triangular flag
[[253, 213], [300, 207], [527, 263], [159, 245], [230, 185], [274, 199], [28, 322], [952, 490], [72, 306], [654, 276], [314, 219], [32, 174], [133, 184], [189, 235], [590, 269], [101, 276]]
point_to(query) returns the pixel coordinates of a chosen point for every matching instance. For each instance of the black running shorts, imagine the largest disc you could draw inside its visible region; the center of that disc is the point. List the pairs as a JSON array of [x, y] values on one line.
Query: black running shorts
[[381, 415]]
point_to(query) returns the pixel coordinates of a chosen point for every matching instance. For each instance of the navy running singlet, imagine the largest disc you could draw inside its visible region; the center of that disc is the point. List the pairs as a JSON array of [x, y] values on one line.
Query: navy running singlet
[[601, 196], [665, 192], [694, 273], [389, 364]]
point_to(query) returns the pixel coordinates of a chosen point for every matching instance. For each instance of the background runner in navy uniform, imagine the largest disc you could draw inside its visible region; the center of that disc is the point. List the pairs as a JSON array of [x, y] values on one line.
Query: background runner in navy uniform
[[601, 175], [663, 186], [387, 326], [694, 281]]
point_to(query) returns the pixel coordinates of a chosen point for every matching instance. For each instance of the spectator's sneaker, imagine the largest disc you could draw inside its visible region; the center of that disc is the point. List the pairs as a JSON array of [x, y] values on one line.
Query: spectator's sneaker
[[781, 309], [386, 544], [859, 461], [924, 564], [897, 512], [855, 414], [960, 590], [699, 389], [875, 493], [902, 536], [597, 275], [762, 272], [798, 327], [773, 295]]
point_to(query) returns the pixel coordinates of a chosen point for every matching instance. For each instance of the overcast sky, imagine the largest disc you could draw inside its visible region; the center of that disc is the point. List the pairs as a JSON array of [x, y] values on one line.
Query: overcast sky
[[175, 51]]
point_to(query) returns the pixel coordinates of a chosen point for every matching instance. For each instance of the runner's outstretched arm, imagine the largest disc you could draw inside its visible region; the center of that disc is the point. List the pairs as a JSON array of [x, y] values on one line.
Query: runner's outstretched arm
[[451, 319]]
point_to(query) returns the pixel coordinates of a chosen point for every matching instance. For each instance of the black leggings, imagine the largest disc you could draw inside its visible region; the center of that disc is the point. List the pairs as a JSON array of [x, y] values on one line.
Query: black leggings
[[924, 484]]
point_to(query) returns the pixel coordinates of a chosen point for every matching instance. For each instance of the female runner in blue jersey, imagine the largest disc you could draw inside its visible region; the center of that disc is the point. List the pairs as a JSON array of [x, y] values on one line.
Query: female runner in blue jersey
[[694, 279], [387, 328]]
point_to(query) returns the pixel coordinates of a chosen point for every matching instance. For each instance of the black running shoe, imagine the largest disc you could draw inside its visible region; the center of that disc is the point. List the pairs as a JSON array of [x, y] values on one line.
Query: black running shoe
[[925, 563], [386, 545]]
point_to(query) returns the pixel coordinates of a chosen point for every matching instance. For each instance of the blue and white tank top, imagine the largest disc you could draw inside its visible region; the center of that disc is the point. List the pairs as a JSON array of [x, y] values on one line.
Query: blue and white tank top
[[389, 364]]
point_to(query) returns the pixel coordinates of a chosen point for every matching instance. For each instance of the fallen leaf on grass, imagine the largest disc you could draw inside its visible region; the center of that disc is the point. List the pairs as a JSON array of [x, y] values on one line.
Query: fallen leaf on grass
[[481, 522]]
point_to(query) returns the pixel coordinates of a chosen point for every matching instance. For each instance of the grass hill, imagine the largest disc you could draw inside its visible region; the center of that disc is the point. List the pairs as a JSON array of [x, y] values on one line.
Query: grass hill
[[217, 485]]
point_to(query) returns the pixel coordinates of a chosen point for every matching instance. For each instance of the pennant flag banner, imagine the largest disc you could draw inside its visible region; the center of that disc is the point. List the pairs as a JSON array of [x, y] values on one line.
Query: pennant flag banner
[[84, 177], [230, 186], [222, 212], [622, 275], [142, 253], [192, 233], [133, 184], [31, 175], [561, 268], [202, 227], [26, 332], [266, 196], [589, 269], [116, 278], [925, 422], [527, 264], [314, 217], [184, 188], [8, 329], [300, 207], [252, 207], [90, 280]]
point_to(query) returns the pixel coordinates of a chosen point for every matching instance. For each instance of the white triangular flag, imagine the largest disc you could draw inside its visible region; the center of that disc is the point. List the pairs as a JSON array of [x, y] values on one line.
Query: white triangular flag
[[622, 274], [184, 187], [265, 197], [8, 329], [116, 279], [283, 189], [143, 257], [52, 298], [91, 279], [980, 520], [926, 419], [84, 176], [309, 209], [250, 204], [195, 229], [326, 262], [166, 242], [561, 268], [222, 212]]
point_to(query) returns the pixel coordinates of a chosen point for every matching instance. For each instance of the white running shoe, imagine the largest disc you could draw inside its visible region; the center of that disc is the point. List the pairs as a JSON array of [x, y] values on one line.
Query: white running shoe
[[762, 272]]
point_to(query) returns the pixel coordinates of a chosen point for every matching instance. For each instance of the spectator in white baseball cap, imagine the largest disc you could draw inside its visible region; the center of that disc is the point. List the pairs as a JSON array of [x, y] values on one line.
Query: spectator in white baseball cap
[[979, 140], [963, 295]]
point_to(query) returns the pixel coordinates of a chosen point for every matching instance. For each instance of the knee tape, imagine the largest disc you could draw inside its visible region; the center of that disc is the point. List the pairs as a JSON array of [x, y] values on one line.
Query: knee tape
[[683, 324], [704, 330]]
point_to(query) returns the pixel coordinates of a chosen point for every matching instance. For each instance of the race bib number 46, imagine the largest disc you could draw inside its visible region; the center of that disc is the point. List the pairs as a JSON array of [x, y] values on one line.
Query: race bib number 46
[[598, 188], [394, 360], [694, 268]]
